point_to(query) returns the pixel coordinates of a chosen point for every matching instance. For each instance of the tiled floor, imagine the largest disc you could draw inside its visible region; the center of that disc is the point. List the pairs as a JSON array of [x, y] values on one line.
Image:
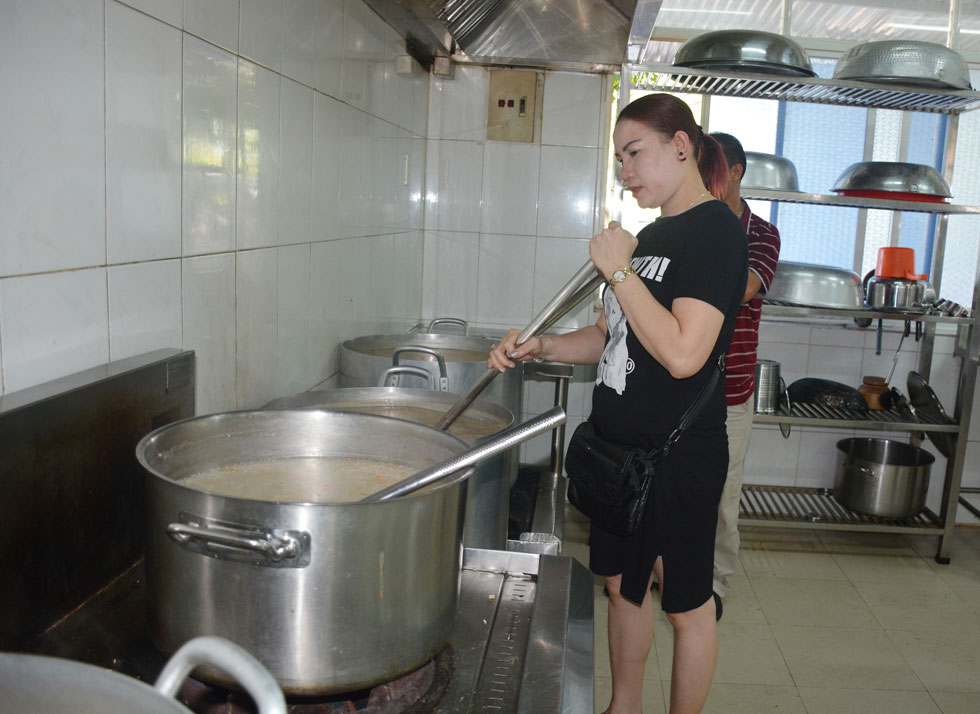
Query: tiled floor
[[829, 622]]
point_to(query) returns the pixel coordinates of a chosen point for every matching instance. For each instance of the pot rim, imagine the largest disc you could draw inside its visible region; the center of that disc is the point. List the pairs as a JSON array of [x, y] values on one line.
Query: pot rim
[[846, 447], [400, 396], [149, 440]]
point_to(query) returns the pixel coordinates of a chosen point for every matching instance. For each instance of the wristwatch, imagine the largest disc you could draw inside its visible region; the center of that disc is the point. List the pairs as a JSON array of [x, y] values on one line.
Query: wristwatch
[[620, 275]]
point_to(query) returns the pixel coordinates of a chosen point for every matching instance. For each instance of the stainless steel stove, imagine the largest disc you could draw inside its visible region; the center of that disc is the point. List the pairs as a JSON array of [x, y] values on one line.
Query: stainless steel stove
[[70, 565], [523, 640]]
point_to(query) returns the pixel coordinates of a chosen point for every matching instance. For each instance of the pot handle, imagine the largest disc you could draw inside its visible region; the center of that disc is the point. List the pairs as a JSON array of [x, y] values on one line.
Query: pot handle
[[449, 321], [277, 549], [860, 469], [785, 429], [443, 374], [235, 661], [389, 377]]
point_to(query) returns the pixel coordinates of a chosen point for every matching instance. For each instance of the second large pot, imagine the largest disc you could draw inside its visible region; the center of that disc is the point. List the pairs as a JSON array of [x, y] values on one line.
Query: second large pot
[[882, 477], [364, 360], [487, 491], [330, 597]]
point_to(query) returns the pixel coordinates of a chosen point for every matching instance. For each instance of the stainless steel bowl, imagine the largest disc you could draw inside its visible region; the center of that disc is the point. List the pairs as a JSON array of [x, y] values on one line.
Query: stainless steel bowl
[[908, 62], [816, 286], [745, 51], [769, 171], [892, 176]]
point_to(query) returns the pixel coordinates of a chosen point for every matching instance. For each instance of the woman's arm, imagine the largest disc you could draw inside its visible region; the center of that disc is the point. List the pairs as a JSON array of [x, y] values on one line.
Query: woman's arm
[[583, 346], [681, 339]]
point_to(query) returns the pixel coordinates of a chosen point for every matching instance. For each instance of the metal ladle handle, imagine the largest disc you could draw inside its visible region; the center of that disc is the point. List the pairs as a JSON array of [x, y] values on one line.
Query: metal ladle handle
[[585, 280], [501, 442]]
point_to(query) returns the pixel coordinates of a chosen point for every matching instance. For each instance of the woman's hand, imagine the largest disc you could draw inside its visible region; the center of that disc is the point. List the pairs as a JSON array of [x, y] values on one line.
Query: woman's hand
[[612, 249], [505, 354]]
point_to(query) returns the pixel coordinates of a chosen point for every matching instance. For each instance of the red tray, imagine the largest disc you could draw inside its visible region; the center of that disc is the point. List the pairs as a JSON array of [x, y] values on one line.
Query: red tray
[[892, 195]]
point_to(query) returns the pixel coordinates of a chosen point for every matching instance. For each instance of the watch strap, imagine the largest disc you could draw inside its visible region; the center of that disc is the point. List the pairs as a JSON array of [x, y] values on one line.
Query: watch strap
[[627, 271]]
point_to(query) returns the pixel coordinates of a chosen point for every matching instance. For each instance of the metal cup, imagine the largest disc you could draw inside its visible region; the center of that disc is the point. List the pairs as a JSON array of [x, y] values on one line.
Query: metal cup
[[767, 389]]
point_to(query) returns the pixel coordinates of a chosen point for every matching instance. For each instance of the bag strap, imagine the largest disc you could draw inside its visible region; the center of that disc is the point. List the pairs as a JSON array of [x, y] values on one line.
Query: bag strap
[[692, 412]]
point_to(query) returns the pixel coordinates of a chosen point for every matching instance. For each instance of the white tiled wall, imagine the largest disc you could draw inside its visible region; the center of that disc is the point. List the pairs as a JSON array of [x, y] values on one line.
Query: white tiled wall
[[177, 173], [246, 178], [508, 223]]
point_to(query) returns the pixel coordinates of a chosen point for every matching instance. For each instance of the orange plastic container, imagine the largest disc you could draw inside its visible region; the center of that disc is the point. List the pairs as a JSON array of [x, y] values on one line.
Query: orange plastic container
[[897, 263]]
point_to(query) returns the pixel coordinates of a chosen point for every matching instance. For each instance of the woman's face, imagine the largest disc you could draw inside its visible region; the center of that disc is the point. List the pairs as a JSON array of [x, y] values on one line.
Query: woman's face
[[650, 166]]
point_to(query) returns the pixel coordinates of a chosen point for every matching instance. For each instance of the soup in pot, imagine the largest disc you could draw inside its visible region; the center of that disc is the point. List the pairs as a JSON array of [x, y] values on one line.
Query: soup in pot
[[465, 427], [334, 479]]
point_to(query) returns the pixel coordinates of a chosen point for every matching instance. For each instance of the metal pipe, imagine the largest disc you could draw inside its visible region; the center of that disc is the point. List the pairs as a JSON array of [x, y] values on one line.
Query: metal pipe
[[585, 280], [501, 442]]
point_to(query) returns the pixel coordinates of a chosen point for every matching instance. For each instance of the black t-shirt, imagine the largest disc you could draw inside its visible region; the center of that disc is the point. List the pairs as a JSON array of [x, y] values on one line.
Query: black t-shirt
[[700, 254]]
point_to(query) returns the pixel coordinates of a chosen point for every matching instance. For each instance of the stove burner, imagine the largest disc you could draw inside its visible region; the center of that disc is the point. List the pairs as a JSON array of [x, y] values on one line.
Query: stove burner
[[418, 692]]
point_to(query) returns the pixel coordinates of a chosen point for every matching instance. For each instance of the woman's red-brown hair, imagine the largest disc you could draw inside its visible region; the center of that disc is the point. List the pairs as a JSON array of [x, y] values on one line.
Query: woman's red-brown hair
[[667, 115]]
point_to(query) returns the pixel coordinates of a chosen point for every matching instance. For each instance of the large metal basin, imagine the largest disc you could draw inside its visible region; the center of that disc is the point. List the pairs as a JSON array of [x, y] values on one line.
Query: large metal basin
[[816, 286], [771, 172], [745, 51], [330, 597], [896, 177], [911, 62], [487, 491]]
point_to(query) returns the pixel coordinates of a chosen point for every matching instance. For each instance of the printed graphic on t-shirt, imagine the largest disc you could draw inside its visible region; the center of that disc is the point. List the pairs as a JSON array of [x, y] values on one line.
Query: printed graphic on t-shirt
[[651, 267], [616, 362]]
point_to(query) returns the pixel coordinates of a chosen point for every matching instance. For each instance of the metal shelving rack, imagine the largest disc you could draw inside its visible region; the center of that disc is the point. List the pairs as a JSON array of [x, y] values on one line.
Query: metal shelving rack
[[816, 508]]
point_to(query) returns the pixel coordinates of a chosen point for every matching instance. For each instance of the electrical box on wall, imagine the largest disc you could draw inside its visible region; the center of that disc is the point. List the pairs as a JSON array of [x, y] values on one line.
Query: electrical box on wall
[[510, 115]]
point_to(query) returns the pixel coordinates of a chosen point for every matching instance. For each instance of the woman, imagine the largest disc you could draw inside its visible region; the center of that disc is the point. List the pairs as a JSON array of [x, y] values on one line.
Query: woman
[[674, 291]]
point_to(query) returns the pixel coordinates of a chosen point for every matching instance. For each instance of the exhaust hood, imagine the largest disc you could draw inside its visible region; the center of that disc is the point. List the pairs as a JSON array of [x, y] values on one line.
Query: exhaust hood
[[591, 34]]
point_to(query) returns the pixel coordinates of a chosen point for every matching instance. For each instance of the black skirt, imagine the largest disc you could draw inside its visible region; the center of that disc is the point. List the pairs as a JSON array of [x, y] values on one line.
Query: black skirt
[[679, 524]]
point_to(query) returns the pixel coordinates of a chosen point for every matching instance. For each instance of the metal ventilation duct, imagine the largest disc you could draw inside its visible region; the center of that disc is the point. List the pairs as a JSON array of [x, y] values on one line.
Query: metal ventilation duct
[[546, 33]]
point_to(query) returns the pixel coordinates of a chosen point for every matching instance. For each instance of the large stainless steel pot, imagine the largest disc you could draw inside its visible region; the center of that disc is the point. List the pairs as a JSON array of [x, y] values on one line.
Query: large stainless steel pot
[[487, 497], [32, 683], [363, 361], [329, 596], [881, 477]]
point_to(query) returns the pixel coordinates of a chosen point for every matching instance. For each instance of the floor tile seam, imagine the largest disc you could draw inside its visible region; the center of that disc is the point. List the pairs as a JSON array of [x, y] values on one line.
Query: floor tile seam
[[908, 663], [779, 648], [958, 597], [874, 614], [776, 576], [771, 623]]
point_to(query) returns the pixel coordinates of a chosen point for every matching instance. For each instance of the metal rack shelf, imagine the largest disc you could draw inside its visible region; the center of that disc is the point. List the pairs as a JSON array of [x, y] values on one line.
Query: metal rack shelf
[[818, 199], [807, 414], [669, 78], [816, 508], [797, 507], [781, 309]]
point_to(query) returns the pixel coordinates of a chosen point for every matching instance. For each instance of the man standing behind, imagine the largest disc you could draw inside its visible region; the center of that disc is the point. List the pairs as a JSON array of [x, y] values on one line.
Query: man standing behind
[[763, 243]]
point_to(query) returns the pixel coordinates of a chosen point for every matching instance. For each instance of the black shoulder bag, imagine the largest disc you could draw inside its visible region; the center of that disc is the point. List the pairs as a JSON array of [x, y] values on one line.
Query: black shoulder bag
[[610, 483]]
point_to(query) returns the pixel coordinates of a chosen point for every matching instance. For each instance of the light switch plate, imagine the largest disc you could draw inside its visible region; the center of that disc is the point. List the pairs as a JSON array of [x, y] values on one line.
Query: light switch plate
[[510, 113]]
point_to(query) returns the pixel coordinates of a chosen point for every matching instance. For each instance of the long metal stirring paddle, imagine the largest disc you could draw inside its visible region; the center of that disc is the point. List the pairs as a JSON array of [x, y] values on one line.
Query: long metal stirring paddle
[[585, 280], [501, 442]]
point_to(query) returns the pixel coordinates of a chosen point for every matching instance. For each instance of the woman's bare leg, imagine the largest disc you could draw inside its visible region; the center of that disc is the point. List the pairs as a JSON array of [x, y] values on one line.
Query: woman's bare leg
[[695, 653], [630, 638]]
